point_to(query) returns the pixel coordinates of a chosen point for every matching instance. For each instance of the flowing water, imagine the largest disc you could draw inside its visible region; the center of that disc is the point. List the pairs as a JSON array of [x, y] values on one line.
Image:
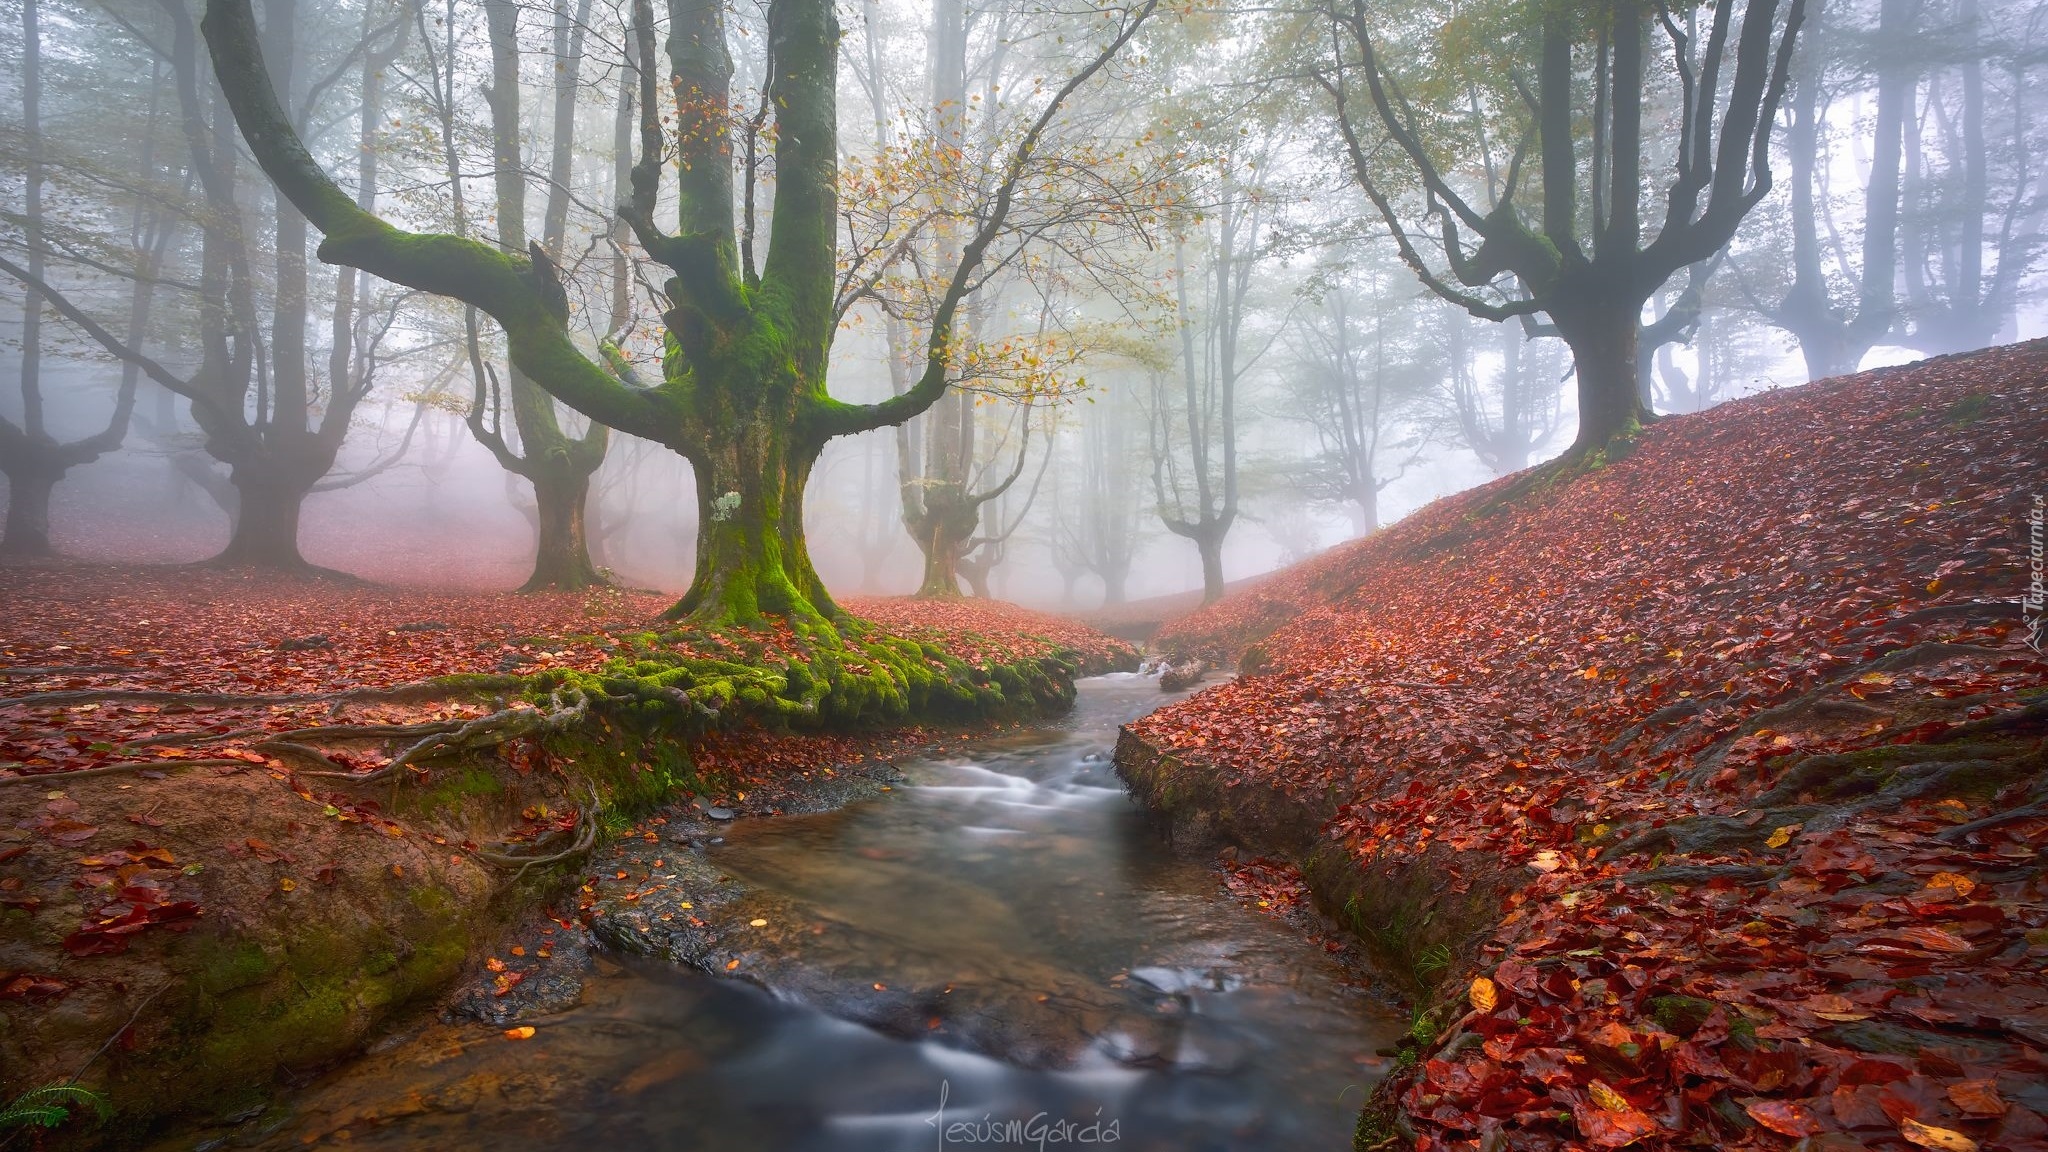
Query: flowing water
[[1138, 1004]]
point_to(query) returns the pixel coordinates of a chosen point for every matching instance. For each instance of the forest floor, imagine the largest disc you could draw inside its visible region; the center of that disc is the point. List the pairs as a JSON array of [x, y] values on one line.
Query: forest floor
[[1699, 798], [248, 819]]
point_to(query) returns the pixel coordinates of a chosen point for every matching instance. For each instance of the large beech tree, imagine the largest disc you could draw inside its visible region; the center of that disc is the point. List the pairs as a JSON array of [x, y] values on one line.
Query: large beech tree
[[742, 391], [1580, 86]]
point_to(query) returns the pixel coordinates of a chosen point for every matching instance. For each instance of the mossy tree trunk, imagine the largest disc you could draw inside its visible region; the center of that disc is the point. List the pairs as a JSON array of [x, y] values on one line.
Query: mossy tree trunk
[[562, 545], [742, 394], [752, 558]]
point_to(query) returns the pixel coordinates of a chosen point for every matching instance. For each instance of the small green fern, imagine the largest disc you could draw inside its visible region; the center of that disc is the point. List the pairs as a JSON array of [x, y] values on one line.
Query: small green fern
[[51, 1105], [1434, 961]]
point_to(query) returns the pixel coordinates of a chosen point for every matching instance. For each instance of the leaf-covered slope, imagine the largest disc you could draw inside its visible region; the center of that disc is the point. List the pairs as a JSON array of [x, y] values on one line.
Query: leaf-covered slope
[[1750, 714]]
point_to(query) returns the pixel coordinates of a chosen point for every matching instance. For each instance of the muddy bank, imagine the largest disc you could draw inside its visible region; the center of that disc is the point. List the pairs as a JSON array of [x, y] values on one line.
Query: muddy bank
[[181, 931], [1400, 912]]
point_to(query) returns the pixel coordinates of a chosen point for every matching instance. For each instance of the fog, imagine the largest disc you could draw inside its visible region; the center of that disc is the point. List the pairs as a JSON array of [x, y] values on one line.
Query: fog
[[1195, 350]]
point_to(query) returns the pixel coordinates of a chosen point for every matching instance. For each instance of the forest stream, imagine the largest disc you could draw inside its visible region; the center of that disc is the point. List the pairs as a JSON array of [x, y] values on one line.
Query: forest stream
[[1117, 994]]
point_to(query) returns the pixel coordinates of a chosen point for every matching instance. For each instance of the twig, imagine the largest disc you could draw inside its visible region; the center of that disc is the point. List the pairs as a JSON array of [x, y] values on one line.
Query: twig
[[151, 696], [367, 731]]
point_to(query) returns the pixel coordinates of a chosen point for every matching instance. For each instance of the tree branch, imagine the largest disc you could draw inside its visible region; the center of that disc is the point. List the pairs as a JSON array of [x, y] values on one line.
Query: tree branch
[[505, 286]]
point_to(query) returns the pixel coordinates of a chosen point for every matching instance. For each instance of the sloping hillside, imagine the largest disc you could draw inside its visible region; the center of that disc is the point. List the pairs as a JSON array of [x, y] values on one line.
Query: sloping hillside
[[1698, 797]]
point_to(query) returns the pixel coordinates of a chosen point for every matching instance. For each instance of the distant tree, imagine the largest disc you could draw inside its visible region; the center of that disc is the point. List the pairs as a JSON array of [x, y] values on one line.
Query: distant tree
[[1505, 418], [253, 395], [33, 460], [1832, 336], [1099, 502], [559, 466], [1975, 202], [1573, 83], [1229, 232], [1358, 369], [969, 452]]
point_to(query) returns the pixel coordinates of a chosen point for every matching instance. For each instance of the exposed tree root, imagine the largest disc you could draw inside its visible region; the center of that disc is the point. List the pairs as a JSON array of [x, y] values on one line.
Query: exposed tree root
[[565, 710], [286, 749], [187, 739], [585, 838], [1832, 698], [1962, 832], [397, 694], [50, 778], [1842, 775], [74, 696], [1678, 874], [1706, 834], [1971, 611], [368, 731]]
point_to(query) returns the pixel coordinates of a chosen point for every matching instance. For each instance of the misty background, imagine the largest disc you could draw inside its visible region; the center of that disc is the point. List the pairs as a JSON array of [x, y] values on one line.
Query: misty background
[[1228, 347]]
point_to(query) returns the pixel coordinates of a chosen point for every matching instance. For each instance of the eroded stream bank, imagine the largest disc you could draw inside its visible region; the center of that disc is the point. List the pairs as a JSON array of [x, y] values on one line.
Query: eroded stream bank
[[1018, 941]]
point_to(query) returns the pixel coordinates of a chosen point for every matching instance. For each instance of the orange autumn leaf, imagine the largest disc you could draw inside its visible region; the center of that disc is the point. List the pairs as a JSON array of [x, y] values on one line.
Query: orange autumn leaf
[[1607, 1097], [523, 1032], [1936, 939], [1977, 1097], [1939, 1139], [1955, 882], [1484, 997], [1783, 1117]]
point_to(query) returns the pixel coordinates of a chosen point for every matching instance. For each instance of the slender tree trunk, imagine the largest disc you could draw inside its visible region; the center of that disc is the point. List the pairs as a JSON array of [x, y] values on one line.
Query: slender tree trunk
[[1209, 542], [1831, 344], [28, 481], [558, 466], [33, 460], [1365, 519]]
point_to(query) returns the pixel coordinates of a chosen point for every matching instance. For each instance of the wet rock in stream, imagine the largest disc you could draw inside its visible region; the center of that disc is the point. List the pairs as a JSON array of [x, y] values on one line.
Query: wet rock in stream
[[543, 978], [677, 905]]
